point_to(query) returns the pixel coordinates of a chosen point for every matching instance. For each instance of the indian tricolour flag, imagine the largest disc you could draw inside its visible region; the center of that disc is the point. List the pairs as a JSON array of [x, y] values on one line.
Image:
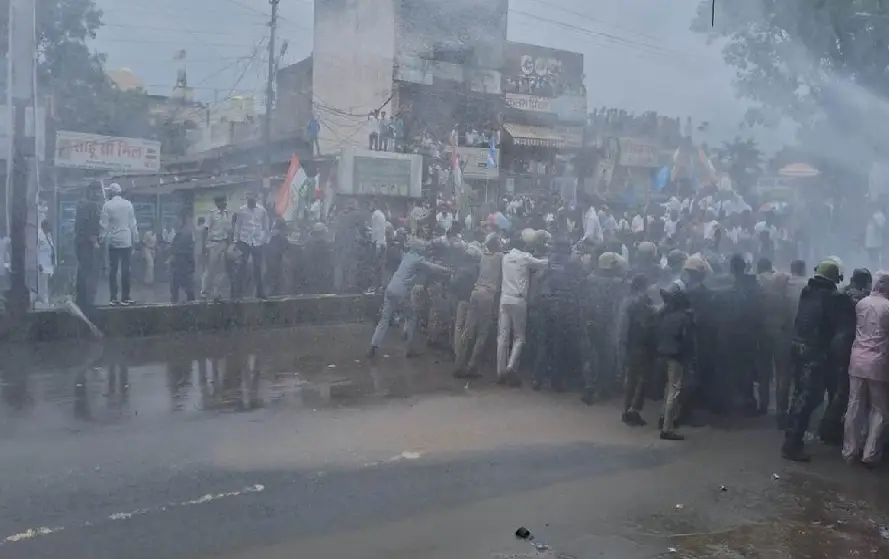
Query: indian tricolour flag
[[287, 201]]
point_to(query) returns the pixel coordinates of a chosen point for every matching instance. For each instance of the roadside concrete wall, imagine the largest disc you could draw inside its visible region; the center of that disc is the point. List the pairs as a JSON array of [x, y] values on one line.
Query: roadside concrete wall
[[157, 320]]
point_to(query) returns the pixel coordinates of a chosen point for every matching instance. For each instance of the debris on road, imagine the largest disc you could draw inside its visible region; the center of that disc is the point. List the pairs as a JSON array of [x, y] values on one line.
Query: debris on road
[[679, 506], [884, 532], [672, 550], [723, 488], [776, 476], [523, 534], [331, 366], [541, 546]]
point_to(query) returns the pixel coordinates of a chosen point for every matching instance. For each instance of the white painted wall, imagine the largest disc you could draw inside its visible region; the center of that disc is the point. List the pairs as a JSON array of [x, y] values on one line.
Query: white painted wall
[[354, 54]]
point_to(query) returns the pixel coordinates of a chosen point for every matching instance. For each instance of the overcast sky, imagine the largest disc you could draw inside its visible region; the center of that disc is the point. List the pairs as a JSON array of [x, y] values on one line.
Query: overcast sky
[[639, 54]]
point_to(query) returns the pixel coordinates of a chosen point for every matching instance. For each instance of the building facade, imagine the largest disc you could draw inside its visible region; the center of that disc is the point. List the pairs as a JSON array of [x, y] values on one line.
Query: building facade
[[545, 110]]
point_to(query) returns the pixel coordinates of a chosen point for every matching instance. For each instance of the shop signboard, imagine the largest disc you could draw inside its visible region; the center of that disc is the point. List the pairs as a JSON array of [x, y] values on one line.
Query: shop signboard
[[380, 173], [638, 152], [544, 80], [567, 107], [91, 151]]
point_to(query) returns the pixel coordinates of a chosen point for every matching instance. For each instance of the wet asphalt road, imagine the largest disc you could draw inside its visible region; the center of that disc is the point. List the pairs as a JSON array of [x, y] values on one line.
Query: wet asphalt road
[[289, 444]]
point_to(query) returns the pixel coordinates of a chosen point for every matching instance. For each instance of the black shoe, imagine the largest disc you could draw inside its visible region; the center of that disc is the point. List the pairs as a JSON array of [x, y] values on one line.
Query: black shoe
[[460, 372], [795, 455], [589, 397], [502, 380], [514, 381], [671, 436], [372, 352], [660, 424], [536, 385], [632, 418]]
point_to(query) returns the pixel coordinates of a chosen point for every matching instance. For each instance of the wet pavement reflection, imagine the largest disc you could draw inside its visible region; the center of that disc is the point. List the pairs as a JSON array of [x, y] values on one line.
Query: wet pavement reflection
[[138, 380], [808, 516]]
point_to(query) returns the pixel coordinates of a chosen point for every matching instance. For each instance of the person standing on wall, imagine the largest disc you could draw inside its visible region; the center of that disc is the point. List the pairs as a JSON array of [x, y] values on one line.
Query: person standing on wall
[[314, 129], [46, 261], [119, 229], [87, 230], [251, 233], [217, 235]]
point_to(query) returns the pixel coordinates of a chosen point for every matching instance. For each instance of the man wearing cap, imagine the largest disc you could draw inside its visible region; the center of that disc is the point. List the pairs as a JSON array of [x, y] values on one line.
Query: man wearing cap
[[119, 229], [251, 232], [700, 367], [774, 292], [637, 347], [217, 235], [559, 328], [813, 331], [605, 290], [675, 345], [831, 428], [740, 331], [480, 315], [511, 325]]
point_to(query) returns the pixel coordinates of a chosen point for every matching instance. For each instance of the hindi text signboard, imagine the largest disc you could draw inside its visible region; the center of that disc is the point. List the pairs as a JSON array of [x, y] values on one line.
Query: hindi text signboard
[[91, 151]]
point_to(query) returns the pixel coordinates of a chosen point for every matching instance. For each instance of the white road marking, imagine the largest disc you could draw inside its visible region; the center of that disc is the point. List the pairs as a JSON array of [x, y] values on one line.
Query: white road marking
[[407, 455], [32, 533]]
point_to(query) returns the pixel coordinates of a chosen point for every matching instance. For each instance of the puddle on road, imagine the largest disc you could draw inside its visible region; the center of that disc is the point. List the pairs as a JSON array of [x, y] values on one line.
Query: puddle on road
[[816, 519], [126, 380]]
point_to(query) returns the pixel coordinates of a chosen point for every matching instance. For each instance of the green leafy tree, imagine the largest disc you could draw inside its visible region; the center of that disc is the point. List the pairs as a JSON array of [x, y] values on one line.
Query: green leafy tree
[[743, 161], [821, 63], [83, 97]]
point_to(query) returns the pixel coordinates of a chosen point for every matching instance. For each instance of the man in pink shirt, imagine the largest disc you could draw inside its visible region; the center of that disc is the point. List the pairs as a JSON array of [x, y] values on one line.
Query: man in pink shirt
[[868, 408]]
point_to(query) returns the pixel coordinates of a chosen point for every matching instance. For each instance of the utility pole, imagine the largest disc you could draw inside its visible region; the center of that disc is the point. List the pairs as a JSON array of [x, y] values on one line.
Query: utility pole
[[270, 87], [22, 47]]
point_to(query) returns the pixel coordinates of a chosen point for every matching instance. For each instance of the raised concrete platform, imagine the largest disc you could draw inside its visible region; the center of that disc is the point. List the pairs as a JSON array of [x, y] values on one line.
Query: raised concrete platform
[[165, 319]]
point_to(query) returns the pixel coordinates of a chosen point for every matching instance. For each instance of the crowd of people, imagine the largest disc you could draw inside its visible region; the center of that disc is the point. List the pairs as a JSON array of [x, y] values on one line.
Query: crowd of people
[[699, 317]]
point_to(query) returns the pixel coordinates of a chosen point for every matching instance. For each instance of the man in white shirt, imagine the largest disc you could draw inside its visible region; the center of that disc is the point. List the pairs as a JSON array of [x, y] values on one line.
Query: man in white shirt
[[592, 228], [670, 224], [378, 237], [119, 229], [251, 234], [514, 311], [217, 236], [607, 221], [638, 225]]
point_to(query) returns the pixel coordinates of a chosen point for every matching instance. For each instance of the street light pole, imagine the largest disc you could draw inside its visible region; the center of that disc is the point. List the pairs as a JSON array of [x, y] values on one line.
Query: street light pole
[[270, 87]]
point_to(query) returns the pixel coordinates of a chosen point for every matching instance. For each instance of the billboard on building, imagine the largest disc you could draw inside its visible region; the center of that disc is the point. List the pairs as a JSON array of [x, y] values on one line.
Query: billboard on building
[[380, 173], [91, 151], [544, 80], [475, 163], [638, 152]]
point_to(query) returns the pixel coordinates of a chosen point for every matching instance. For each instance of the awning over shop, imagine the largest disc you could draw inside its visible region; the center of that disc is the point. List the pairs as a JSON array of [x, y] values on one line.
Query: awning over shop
[[539, 136]]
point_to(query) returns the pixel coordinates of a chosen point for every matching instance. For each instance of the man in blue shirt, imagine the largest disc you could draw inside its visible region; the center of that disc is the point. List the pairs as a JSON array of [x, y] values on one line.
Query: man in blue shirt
[[314, 129], [398, 293]]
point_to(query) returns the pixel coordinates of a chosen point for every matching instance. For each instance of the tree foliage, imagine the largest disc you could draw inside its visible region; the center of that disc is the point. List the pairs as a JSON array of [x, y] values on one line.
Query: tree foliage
[[73, 76], [799, 58], [743, 161]]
